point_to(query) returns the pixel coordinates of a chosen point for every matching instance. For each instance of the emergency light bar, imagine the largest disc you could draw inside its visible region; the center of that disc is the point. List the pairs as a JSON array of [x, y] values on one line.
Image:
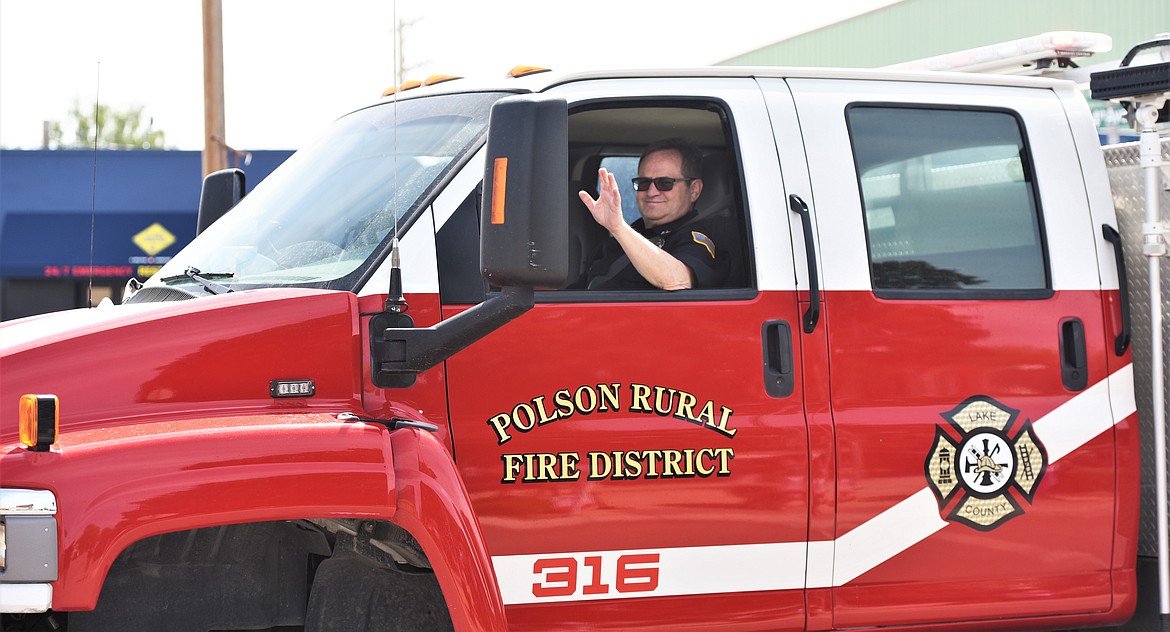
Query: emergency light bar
[[1030, 53]]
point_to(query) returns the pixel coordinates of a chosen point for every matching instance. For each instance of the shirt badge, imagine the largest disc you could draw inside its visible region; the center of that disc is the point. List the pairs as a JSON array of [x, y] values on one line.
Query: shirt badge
[[704, 241]]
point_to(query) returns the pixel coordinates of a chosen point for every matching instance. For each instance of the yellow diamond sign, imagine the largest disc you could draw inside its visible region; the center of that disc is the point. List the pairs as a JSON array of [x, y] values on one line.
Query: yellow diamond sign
[[153, 239]]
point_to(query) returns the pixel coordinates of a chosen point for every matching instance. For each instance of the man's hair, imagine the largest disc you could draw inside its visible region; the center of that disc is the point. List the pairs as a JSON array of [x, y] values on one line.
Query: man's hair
[[692, 158]]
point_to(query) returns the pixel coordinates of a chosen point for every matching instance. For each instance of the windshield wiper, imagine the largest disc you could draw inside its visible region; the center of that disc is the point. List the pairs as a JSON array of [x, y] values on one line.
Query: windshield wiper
[[199, 277]]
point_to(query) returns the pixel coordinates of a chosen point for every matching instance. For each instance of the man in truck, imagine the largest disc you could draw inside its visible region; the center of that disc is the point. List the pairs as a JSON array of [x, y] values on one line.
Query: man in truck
[[670, 247]]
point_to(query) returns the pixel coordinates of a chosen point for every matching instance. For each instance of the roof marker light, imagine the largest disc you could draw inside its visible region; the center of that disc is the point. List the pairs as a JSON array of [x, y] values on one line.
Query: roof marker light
[[433, 79], [524, 71], [405, 85]]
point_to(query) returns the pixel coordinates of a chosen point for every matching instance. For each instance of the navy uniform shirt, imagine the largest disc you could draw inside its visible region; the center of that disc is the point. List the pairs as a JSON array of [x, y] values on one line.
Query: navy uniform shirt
[[688, 239]]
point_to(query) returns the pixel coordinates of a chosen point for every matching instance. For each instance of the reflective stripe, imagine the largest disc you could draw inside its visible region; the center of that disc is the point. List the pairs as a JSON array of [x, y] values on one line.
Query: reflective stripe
[[884, 536], [1072, 424]]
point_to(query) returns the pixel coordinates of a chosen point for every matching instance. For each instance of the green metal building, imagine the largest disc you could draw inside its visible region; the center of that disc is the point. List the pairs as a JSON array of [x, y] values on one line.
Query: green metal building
[[914, 29]]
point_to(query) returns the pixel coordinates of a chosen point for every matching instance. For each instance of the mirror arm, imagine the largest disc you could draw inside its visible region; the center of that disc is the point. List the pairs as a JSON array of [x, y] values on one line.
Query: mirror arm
[[398, 352]]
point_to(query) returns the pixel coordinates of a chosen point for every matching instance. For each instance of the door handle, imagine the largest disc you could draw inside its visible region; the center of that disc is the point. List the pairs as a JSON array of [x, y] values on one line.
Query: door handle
[[1121, 343], [813, 313], [778, 359], [1074, 371]]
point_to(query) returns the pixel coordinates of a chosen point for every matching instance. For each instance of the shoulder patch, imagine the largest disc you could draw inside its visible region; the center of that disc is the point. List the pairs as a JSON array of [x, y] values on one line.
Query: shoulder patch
[[704, 241]]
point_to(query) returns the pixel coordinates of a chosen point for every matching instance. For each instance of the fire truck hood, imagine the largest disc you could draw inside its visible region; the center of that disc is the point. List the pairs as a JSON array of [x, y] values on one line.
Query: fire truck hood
[[255, 352]]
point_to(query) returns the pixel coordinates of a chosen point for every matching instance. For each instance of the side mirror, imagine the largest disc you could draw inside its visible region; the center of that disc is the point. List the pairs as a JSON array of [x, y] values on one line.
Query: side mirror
[[524, 228], [221, 191]]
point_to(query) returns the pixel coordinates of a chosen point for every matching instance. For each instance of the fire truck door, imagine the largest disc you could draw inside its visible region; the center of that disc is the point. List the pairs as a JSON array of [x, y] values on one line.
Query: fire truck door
[[975, 456], [623, 447]]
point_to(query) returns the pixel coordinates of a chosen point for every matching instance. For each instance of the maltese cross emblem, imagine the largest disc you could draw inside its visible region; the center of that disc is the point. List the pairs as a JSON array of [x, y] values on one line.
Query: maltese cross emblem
[[984, 465]]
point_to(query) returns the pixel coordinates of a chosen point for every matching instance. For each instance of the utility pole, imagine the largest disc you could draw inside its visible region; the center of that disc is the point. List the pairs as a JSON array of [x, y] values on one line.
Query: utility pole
[[215, 145]]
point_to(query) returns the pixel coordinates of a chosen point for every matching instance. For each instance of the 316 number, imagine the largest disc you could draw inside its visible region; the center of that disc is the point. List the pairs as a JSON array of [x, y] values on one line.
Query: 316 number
[[560, 576]]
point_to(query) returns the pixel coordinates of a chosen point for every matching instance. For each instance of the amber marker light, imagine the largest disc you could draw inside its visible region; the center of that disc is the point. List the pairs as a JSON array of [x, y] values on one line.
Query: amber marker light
[[499, 184], [524, 71], [410, 85], [433, 79], [39, 421]]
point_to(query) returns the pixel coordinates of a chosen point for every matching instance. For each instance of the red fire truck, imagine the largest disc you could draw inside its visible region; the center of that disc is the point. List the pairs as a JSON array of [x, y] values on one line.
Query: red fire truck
[[373, 394]]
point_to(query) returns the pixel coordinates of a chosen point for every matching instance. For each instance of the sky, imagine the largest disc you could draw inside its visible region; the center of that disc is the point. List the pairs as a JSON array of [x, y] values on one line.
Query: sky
[[293, 66]]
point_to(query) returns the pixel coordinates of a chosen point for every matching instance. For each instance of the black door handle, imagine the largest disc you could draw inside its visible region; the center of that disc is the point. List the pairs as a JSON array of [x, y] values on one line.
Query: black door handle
[[1073, 363], [778, 359], [813, 313], [1121, 343]]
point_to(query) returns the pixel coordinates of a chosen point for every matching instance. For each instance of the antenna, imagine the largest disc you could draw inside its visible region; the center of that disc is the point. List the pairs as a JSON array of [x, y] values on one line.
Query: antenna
[[395, 301], [97, 130]]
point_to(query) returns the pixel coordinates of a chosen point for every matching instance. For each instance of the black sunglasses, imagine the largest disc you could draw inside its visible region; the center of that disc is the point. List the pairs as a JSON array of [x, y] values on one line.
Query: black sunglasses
[[662, 184]]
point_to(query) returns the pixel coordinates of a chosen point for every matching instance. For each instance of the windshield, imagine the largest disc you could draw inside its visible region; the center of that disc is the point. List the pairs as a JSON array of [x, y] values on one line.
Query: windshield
[[329, 212]]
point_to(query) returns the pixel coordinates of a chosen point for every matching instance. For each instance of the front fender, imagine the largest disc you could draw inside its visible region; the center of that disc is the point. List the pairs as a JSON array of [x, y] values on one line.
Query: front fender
[[433, 505], [119, 485]]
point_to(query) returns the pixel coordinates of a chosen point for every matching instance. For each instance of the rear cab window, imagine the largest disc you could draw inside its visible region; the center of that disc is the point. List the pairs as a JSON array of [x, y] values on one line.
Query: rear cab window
[[949, 203]]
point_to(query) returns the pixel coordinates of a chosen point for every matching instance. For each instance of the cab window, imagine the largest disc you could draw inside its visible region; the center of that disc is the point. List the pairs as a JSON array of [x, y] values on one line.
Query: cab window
[[950, 205], [613, 135]]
